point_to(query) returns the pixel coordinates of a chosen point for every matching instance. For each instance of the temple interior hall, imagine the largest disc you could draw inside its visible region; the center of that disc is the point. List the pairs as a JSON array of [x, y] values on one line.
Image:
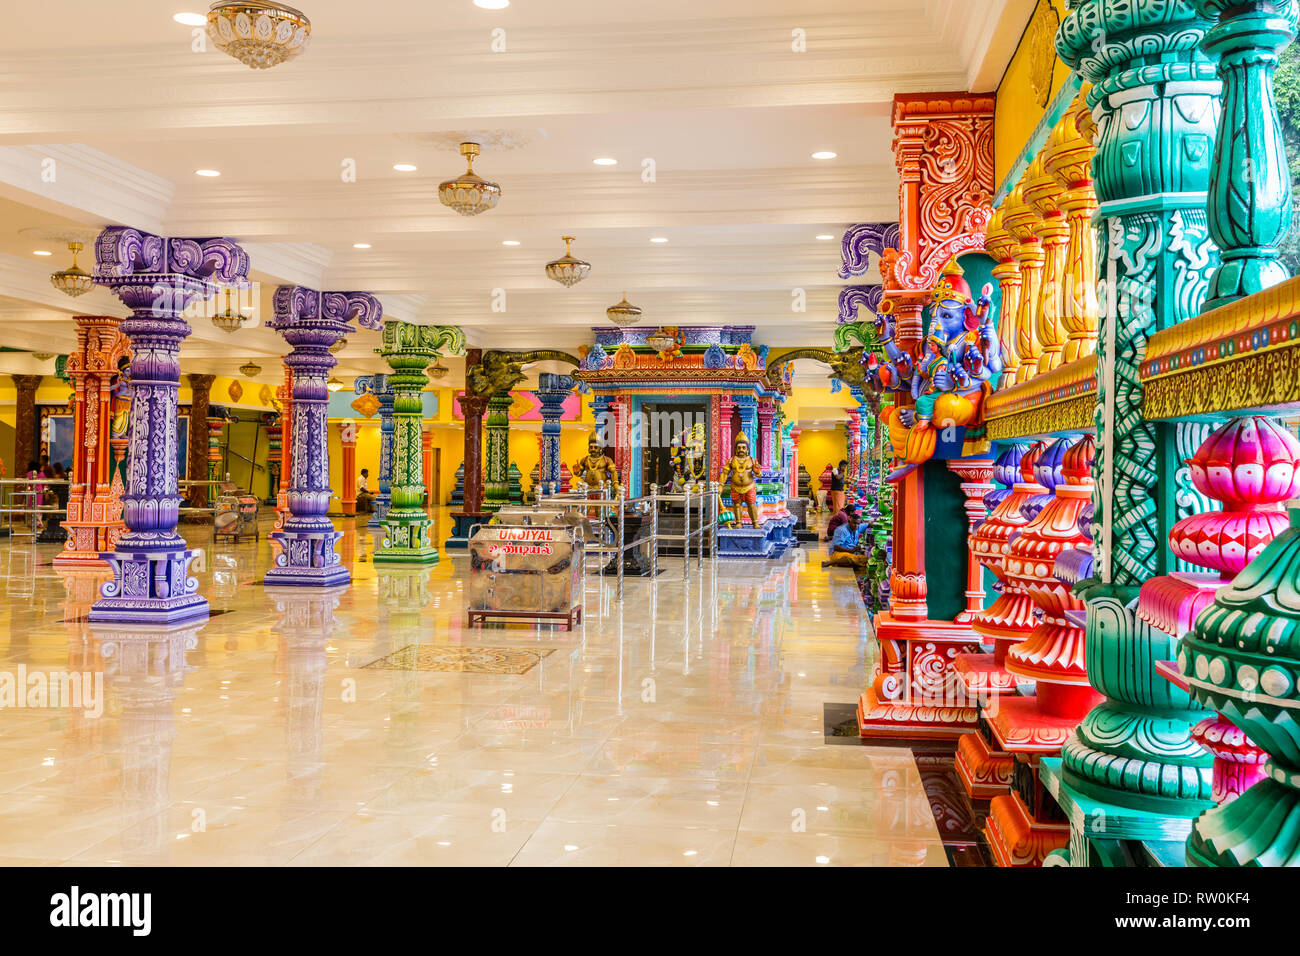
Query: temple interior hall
[[589, 434]]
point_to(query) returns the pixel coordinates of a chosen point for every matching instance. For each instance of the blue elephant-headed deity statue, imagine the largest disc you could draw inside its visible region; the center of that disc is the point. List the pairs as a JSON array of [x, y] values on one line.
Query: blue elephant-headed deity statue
[[951, 375]]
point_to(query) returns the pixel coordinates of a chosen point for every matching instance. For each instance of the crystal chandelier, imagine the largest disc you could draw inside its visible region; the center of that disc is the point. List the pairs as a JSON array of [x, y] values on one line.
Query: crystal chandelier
[[249, 369], [625, 313], [339, 346], [334, 385], [437, 371], [73, 281], [259, 35], [469, 194], [42, 356], [567, 270], [230, 319], [660, 341]]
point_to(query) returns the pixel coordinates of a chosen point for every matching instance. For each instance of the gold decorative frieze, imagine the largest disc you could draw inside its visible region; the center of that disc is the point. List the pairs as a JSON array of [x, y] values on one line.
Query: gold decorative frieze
[[1240, 356], [1060, 400]]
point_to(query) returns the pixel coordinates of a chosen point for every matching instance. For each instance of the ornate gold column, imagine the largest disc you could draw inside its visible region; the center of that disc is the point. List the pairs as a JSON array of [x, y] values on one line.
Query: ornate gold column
[[1019, 218], [1042, 193], [1069, 161], [999, 244]]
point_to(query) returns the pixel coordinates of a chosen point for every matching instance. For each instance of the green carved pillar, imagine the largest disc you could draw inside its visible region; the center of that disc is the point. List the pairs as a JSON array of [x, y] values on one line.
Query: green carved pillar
[[409, 349], [1250, 185], [497, 487], [1131, 769]]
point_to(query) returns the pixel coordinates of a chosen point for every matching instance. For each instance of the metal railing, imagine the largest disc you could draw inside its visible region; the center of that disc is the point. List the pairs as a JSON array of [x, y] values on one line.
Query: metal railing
[[24, 497], [703, 493]]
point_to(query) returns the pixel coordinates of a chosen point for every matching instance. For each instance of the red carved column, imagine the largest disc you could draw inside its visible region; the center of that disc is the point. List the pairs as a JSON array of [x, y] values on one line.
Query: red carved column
[[348, 442], [943, 148], [426, 449], [94, 520], [977, 481], [25, 423], [621, 407], [200, 387], [795, 431]]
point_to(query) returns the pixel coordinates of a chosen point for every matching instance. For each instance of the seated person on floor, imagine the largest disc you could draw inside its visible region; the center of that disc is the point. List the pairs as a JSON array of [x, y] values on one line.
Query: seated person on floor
[[840, 517], [365, 500], [846, 545]]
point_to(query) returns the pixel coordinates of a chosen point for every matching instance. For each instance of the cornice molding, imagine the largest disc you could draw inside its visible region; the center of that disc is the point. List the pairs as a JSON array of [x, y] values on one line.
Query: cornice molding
[[87, 184]]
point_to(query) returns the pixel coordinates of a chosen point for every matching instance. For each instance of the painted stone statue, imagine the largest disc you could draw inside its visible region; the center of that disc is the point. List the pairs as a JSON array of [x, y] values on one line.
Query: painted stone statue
[[596, 469], [959, 360], [688, 458], [740, 473]]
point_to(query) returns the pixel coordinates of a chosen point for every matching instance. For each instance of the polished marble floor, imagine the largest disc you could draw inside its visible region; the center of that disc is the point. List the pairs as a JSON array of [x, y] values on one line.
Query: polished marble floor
[[367, 725]]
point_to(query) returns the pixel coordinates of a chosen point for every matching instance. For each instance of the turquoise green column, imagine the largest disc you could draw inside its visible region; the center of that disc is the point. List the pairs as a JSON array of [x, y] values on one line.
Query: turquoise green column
[[1131, 769], [408, 350], [496, 488], [1250, 184]]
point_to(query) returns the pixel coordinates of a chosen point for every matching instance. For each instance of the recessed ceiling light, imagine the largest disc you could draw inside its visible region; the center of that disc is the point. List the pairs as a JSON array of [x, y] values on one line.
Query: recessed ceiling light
[[509, 242], [190, 19], [823, 237], [659, 239], [405, 167], [605, 161], [42, 252], [207, 172], [360, 245], [824, 154], [492, 4]]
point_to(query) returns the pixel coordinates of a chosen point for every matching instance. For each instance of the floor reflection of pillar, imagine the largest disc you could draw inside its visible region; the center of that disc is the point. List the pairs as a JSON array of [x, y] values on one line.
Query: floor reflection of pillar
[[144, 669]]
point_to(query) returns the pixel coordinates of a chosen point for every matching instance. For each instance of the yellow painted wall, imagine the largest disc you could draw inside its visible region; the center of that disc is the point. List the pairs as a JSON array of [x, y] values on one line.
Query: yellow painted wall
[[1017, 113], [819, 447]]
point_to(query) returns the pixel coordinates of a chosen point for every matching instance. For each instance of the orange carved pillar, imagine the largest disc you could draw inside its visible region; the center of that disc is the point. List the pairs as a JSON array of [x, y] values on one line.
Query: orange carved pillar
[[943, 148], [94, 520], [426, 449], [348, 441]]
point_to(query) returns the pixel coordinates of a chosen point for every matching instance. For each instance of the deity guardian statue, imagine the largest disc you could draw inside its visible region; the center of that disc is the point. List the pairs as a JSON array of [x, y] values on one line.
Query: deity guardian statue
[[958, 361], [597, 468], [740, 471]]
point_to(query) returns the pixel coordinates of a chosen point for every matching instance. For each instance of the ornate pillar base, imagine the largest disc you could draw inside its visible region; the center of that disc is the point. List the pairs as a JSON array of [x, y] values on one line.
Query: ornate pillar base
[[406, 540], [150, 588], [917, 694], [1016, 838], [307, 555], [985, 770]]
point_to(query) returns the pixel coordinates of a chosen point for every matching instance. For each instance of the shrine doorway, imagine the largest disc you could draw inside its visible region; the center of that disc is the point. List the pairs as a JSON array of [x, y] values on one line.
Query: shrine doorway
[[661, 423]]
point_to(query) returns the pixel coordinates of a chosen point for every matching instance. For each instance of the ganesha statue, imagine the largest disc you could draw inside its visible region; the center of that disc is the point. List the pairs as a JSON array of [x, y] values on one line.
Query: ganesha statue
[[950, 376]]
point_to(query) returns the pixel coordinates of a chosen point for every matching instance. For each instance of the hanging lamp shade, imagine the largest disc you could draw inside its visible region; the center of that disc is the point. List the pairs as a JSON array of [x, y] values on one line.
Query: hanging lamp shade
[[469, 194], [624, 313], [567, 270], [74, 280]]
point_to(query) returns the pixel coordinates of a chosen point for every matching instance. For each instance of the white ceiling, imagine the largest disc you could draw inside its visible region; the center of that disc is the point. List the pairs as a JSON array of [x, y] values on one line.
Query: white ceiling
[[711, 91]]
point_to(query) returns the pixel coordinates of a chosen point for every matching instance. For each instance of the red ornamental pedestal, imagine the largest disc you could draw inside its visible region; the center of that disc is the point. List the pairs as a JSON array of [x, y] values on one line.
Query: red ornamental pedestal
[[1026, 824]]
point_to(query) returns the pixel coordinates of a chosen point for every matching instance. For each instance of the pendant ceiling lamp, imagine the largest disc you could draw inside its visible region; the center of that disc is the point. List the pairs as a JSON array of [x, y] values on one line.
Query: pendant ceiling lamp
[[625, 313], [660, 341], [229, 319], [437, 371], [259, 35], [73, 281], [339, 346], [250, 369], [333, 384], [567, 270], [469, 194]]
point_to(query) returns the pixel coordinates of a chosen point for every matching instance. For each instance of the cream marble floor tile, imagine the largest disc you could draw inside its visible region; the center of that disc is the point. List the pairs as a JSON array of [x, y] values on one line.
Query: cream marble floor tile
[[823, 849], [672, 728], [634, 800], [582, 844], [385, 839]]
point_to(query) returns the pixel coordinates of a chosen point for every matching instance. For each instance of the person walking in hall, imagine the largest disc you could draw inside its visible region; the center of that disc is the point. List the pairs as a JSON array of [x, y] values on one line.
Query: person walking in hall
[[836, 503], [365, 499], [846, 546]]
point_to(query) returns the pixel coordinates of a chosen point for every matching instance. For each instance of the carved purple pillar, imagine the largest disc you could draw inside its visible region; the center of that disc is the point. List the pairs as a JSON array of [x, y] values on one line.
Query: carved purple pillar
[[156, 279], [310, 323], [552, 391]]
